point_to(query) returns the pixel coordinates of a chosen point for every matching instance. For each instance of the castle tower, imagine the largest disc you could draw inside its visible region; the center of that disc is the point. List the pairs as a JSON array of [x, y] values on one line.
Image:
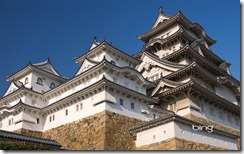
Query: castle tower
[[192, 81], [175, 94]]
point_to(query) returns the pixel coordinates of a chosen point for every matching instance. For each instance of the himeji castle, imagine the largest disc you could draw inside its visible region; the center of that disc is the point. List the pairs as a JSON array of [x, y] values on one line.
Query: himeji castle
[[175, 94]]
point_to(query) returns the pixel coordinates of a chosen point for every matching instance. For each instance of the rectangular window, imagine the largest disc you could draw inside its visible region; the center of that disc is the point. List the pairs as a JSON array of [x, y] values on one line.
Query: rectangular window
[[33, 102], [9, 122], [154, 116], [66, 112], [53, 117], [50, 119], [121, 102], [77, 108], [37, 120], [81, 106], [126, 84], [115, 80], [132, 105]]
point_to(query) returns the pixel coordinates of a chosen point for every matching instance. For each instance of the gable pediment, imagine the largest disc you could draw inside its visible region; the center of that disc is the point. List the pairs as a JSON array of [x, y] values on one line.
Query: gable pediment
[[161, 18], [87, 64]]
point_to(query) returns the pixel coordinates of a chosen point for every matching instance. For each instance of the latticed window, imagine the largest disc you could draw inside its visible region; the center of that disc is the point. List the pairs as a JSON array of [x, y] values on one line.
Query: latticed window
[[121, 102], [81, 106], [154, 116], [39, 81], [132, 105], [52, 85]]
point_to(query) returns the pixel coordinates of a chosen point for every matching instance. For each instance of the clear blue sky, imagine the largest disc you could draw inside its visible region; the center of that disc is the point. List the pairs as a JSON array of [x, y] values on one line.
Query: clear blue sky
[[34, 30]]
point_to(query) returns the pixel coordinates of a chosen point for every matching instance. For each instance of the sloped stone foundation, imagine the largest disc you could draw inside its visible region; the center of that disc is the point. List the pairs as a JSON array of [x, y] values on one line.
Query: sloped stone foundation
[[102, 131], [110, 131]]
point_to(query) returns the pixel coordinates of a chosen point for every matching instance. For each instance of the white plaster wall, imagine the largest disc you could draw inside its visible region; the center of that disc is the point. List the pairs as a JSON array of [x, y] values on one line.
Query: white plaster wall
[[168, 50], [126, 108], [155, 134], [45, 80], [111, 56], [29, 76], [38, 102], [206, 115], [225, 93], [88, 109], [121, 79], [171, 30], [215, 118], [13, 126], [172, 129], [201, 136], [75, 89], [32, 117]]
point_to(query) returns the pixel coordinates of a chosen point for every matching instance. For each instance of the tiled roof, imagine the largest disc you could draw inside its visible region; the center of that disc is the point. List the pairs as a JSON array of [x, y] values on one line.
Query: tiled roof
[[26, 138]]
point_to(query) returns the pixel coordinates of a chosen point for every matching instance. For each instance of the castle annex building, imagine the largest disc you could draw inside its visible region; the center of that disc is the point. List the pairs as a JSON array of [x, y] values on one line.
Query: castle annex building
[[175, 94]]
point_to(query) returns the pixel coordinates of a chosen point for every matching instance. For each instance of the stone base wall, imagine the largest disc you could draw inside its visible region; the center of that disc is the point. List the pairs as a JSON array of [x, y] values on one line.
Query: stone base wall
[[85, 134], [110, 131], [179, 144], [117, 135], [102, 131]]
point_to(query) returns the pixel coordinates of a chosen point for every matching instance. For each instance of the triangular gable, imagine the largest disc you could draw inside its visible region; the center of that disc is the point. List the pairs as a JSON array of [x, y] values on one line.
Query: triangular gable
[[164, 85], [12, 87], [161, 18], [93, 45], [85, 65], [46, 66], [149, 61]]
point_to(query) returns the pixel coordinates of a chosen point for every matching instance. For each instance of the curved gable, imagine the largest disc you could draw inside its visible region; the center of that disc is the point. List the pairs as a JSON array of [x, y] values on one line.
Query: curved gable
[[85, 66]]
